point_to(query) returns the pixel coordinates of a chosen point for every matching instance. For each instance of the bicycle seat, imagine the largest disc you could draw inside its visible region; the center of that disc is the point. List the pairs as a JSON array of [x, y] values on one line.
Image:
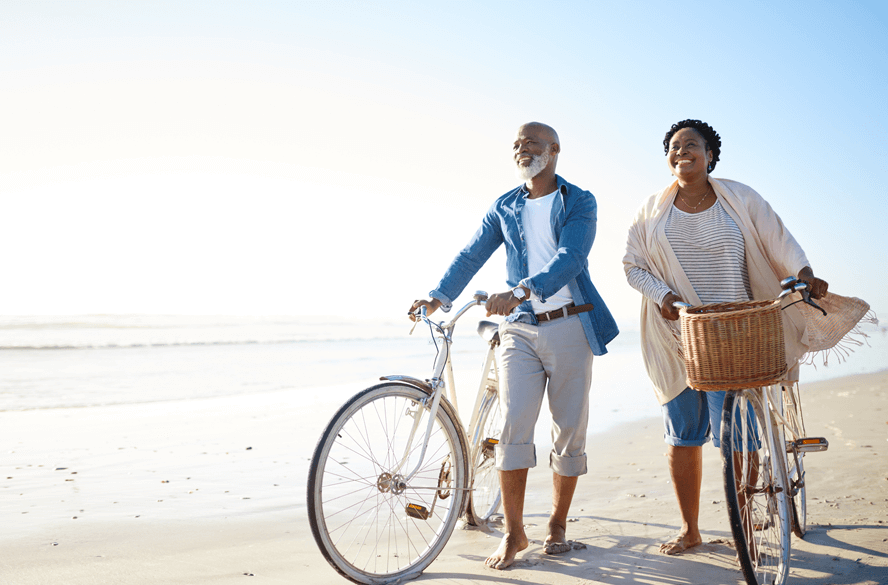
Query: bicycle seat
[[489, 331]]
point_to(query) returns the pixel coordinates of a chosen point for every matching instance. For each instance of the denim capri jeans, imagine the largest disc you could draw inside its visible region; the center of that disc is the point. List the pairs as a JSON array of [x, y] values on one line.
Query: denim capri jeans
[[693, 417]]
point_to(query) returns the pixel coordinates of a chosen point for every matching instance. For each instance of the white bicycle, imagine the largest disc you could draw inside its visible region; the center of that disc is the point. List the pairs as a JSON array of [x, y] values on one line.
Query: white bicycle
[[763, 437], [394, 469]]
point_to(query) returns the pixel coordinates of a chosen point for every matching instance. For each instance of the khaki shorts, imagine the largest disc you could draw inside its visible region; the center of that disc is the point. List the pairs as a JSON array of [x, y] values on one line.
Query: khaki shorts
[[552, 359]]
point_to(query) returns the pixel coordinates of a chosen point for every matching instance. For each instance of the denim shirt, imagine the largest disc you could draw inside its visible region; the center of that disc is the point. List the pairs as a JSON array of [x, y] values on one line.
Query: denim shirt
[[574, 214]]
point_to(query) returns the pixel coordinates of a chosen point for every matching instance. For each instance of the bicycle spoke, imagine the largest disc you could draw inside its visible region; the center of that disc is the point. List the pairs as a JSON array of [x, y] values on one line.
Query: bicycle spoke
[[756, 500], [359, 509]]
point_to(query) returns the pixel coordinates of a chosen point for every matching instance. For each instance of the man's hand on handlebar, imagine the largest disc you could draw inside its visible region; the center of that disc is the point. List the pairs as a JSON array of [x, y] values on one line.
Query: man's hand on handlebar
[[667, 310], [430, 305], [816, 287], [501, 303]]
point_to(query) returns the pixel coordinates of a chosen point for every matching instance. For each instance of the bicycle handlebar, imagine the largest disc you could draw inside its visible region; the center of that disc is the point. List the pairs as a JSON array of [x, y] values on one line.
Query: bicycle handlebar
[[479, 298], [790, 284]]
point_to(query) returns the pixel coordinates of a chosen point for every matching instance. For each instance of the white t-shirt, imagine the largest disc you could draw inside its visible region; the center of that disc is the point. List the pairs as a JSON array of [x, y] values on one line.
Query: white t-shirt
[[541, 247]]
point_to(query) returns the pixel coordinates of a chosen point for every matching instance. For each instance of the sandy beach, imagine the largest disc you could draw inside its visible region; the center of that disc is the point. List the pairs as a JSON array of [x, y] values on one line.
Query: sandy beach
[[212, 491]]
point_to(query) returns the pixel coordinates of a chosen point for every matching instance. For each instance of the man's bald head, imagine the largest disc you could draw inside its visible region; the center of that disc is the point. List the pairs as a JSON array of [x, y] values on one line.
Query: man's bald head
[[543, 129]]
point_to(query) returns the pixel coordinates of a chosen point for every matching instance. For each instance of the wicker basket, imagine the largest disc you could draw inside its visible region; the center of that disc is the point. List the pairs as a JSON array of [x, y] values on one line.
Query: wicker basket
[[732, 346]]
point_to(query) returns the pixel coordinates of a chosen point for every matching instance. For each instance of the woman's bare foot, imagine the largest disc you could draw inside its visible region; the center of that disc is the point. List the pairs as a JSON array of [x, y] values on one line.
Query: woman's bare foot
[[508, 548], [680, 543], [556, 540]]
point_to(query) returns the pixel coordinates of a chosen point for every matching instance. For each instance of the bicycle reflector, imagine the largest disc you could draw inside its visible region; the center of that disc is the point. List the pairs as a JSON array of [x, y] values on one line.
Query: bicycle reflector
[[812, 444], [417, 511], [487, 446]]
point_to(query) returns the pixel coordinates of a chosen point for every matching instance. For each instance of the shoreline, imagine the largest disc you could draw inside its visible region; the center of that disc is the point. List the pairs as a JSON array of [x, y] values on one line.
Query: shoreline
[[213, 490]]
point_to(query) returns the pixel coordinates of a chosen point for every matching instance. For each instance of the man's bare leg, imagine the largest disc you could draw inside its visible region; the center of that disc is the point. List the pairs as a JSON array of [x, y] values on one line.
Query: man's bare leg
[[563, 488], [513, 484], [686, 469]]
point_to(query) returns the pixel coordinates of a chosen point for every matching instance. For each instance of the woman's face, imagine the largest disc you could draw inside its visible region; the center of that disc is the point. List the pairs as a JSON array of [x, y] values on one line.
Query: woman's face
[[688, 155]]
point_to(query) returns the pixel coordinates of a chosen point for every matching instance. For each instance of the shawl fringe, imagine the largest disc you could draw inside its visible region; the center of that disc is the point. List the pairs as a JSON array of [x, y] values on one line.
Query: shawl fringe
[[840, 352]]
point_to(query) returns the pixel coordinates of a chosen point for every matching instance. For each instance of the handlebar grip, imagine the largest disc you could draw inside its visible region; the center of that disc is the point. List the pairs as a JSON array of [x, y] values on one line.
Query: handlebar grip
[[792, 284], [788, 282]]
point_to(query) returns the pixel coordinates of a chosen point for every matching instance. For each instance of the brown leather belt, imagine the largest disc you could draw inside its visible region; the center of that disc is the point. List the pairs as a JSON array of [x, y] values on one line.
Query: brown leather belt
[[564, 311]]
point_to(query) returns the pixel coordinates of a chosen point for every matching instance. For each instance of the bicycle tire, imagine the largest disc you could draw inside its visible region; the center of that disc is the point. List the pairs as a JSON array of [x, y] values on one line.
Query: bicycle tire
[[760, 520], [485, 498], [798, 502], [359, 512], [795, 472]]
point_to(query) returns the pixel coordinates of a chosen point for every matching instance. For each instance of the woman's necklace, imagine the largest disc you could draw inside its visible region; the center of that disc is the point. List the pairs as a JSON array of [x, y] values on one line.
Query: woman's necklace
[[699, 203]]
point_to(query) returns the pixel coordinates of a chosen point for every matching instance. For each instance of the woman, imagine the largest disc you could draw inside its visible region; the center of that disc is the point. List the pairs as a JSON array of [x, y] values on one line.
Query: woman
[[703, 240]]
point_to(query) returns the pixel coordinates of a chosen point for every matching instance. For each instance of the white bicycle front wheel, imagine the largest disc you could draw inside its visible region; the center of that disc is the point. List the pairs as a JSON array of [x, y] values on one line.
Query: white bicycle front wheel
[[370, 523], [754, 471]]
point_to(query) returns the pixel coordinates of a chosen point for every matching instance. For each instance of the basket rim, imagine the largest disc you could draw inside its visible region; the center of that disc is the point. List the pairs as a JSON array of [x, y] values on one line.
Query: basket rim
[[732, 308]]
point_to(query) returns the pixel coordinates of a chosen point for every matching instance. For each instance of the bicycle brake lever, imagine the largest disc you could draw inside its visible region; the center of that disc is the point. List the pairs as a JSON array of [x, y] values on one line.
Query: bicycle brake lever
[[802, 289], [419, 315], [815, 305]]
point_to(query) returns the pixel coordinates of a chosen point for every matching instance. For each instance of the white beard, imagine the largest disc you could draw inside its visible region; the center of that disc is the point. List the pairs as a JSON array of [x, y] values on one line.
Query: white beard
[[536, 166]]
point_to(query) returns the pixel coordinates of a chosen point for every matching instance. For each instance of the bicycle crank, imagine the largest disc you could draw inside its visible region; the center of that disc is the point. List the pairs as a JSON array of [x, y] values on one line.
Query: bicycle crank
[[445, 479]]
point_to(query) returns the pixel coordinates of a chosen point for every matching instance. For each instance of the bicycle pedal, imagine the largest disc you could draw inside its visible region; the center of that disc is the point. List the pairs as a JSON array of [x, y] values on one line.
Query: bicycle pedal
[[811, 444], [417, 511], [488, 445]]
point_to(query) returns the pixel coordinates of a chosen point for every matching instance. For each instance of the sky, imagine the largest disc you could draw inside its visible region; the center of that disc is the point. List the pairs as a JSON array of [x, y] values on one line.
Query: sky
[[331, 158]]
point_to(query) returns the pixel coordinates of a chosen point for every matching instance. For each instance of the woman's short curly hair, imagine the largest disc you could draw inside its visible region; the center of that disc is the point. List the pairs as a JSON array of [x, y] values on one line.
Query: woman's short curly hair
[[713, 140]]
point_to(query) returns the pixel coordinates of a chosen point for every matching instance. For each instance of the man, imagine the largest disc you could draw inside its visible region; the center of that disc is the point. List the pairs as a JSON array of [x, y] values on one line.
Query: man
[[555, 322]]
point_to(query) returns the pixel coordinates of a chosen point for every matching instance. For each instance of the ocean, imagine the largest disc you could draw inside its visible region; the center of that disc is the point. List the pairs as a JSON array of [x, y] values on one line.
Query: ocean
[[93, 360]]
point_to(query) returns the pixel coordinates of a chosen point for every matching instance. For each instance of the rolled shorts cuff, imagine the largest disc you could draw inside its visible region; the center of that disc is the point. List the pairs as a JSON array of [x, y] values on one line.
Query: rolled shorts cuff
[[676, 442], [568, 466], [512, 457]]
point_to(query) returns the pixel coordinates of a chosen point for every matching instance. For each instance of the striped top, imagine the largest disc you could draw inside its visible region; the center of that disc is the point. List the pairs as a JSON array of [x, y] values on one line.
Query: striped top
[[710, 248]]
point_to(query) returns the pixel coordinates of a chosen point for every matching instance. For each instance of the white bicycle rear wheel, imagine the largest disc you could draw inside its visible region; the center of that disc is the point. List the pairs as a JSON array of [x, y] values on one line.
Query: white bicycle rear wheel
[[486, 497], [792, 410]]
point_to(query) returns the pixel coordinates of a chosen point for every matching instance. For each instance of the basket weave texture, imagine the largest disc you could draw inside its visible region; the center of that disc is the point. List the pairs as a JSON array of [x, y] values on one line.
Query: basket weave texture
[[732, 346]]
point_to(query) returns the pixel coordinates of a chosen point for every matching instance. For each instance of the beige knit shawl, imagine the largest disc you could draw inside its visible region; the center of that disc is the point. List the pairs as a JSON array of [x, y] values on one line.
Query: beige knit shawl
[[771, 255]]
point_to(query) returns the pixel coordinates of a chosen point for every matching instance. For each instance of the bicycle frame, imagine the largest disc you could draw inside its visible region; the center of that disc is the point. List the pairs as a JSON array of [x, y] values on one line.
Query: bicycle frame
[[442, 378]]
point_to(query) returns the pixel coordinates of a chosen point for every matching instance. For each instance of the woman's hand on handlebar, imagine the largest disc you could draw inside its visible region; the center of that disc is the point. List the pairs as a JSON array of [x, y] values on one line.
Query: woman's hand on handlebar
[[667, 310], [430, 305], [817, 287]]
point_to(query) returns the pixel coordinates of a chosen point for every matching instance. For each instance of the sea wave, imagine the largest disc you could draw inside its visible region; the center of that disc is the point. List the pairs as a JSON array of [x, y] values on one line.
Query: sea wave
[[136, 345], [157, 331]]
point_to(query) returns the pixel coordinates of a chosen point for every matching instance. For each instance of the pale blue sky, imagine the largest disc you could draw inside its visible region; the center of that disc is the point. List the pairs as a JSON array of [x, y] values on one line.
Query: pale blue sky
[[311, 157]]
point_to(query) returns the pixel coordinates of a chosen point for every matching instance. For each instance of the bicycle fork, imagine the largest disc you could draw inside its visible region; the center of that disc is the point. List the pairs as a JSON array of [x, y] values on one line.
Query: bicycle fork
[[396, 482]]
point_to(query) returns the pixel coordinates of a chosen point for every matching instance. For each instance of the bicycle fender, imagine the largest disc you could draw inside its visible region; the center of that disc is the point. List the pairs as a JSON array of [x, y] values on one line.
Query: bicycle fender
[[421, 384]]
